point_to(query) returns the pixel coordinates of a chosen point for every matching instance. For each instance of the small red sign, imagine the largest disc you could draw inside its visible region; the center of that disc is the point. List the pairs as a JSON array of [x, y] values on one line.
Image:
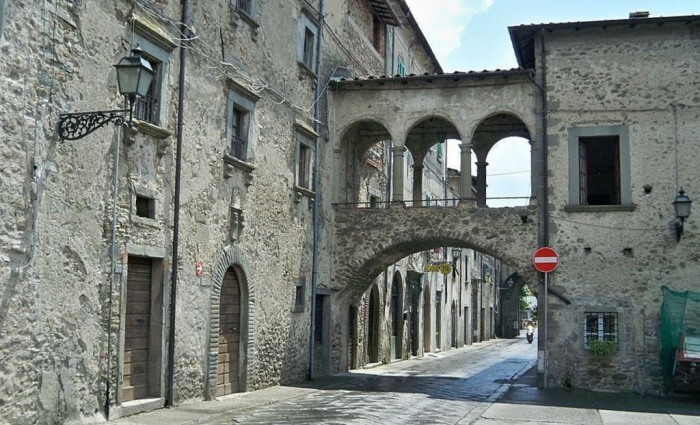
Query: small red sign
[[545, 259], [199, 268]]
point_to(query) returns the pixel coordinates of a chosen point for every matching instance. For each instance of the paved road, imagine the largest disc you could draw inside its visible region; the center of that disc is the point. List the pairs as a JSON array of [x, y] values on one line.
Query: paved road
[[454, 387]]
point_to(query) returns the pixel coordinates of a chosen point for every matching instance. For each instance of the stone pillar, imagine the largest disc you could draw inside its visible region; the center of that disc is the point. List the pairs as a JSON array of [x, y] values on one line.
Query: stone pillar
[[466, 170], [481, 183], [398, 153], [418, 184]]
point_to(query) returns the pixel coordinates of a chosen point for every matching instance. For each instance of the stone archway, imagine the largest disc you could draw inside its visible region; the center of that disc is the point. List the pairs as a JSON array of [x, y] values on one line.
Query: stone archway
[[366, 241], [233, 259]]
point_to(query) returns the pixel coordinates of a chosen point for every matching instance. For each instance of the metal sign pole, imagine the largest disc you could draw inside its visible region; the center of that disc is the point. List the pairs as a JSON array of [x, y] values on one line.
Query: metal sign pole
[[546, 323]]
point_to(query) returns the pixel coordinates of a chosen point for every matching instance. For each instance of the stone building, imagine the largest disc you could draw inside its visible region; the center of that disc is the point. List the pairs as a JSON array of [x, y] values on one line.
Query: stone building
[[235, 182], [620, 101]]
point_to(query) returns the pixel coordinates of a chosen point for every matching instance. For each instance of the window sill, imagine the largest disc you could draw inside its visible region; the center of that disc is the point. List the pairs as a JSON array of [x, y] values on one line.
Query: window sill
[[305, 71], [300, 192], [600, 208], [145, 221], [151, 129], [231, 163], [242, 15]]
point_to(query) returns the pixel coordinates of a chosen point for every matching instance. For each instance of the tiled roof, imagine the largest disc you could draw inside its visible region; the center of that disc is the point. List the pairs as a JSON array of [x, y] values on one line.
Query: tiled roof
[[429, 77]]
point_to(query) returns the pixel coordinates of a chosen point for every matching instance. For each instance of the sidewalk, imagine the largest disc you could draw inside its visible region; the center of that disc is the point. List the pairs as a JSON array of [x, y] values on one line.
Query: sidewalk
[[526, 404]]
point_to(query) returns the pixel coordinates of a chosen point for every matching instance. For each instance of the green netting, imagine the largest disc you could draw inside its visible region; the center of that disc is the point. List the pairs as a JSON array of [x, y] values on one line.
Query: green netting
[[680, 314]]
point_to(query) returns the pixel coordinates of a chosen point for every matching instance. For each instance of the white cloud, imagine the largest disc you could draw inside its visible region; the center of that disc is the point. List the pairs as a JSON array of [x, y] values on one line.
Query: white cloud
[[444, 21]]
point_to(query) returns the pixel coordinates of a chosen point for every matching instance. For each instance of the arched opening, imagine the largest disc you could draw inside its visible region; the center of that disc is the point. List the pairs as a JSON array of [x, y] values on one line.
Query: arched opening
[[362, 166], [373, 325], [396, 315], [509, 182], [427, 144], [511, 162], [228, 371]]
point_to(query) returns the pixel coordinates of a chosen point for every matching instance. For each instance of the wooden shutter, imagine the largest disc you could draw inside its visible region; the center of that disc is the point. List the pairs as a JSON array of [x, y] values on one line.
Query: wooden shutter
[[582, 174]]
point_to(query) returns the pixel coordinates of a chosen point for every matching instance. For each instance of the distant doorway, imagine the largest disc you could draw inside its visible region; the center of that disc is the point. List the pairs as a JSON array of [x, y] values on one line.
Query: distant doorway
[[373, 326]]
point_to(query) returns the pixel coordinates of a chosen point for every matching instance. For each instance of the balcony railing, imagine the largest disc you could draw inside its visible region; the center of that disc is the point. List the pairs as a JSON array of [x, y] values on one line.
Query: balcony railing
[[146, 109]]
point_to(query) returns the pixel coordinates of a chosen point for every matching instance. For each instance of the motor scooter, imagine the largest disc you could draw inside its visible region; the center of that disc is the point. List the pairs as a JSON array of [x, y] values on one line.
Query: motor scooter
[[529, 335]]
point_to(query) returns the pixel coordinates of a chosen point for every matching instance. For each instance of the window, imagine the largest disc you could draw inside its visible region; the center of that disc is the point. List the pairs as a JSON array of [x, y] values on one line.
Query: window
[[239, 116], [299, 295], [599, 166], [156, 51], [145, 207], [245, 6], [600, 327], [373, 201], [308, 31], [304, 178], [377, 33]]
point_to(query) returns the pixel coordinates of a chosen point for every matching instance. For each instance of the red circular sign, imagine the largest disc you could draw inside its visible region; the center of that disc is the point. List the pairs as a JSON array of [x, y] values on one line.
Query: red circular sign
[[545, 259]]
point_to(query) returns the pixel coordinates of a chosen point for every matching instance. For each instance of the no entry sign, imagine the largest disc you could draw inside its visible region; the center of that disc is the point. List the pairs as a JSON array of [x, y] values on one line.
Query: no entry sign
[[545, 259]]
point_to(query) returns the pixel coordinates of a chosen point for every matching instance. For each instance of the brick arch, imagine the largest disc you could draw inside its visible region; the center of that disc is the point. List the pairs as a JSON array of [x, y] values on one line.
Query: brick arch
[[231, 256], [366, 241]]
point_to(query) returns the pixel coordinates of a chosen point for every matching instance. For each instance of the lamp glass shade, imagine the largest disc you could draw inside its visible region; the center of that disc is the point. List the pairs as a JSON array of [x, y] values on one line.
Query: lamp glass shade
[[682, 205], [456, 253], [134, 74]]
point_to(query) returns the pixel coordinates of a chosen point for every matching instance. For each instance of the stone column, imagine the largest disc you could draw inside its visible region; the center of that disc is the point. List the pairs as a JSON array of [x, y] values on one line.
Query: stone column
[[398, 153], [466, 170], [481, 183], [418, 184]]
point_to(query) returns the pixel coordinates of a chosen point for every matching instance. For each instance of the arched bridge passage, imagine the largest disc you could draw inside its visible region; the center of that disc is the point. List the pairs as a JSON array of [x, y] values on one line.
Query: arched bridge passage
[[367, 240], [462, 99]]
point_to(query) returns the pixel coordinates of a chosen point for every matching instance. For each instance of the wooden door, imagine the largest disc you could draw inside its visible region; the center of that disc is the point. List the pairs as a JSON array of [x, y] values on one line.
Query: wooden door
[[228, 376], [137, 329]]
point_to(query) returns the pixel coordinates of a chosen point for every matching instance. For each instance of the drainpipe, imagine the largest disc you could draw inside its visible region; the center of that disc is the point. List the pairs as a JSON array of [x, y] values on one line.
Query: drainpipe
[[317, 192], [544, 202], [176, 205], [112, 258], [545, 188]]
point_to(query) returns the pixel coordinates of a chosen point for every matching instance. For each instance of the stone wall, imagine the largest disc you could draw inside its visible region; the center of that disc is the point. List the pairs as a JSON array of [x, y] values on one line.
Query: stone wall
[[640, 77]]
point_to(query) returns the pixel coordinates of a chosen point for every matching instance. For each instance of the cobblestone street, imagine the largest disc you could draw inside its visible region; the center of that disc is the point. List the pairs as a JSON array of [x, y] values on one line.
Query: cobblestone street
[[449, 387]]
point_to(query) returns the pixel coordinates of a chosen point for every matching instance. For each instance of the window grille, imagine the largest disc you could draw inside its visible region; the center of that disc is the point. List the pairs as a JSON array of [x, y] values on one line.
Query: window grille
[[600, 327]]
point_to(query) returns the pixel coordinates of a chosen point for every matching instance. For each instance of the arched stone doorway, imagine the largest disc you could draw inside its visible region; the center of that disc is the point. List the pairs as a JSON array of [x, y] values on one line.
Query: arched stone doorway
[[228, 376], [231, 306], [373, 325]]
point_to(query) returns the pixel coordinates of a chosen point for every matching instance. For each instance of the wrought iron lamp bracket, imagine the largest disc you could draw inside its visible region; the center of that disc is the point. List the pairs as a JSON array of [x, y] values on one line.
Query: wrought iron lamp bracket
[[77, 125]]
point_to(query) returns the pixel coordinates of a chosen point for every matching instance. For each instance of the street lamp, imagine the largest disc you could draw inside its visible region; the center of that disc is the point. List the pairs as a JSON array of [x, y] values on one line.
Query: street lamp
[[681, 205], [456, 255], [134, 76]]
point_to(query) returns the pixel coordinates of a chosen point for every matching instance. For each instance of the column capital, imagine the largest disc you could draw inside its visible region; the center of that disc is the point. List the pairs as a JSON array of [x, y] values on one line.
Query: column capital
[[466, 146], [398, 149]]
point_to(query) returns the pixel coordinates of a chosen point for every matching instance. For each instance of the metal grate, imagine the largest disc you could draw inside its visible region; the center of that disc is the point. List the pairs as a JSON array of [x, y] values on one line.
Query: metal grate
[[600, 327]]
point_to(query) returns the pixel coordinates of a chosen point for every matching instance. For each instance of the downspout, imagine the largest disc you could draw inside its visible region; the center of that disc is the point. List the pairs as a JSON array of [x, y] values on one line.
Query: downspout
[[176, 204], [317, 193], [545, 188], [112, 270], [544, 202]]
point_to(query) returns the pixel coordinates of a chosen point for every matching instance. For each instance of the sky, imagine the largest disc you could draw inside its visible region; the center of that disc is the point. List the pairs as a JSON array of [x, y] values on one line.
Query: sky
[[472, 35]]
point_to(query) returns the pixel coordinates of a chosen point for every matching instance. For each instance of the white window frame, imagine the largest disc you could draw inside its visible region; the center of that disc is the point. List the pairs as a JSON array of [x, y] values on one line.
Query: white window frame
[[307, 26], [619, 131], [601, 334], [304, 140], [242, 102], [156, 48]]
